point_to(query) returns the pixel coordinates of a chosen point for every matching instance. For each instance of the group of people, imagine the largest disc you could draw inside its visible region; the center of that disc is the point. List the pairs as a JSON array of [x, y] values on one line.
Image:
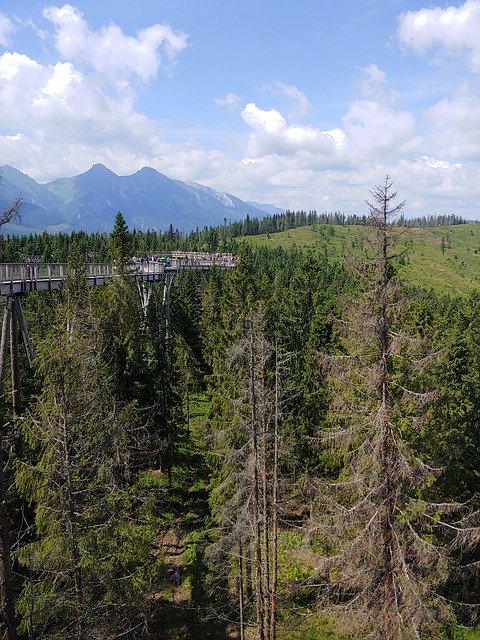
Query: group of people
[[193, 258]]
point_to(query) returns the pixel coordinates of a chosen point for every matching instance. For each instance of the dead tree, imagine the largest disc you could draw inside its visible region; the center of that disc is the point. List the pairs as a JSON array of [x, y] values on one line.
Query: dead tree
[[386, 550], [248, 518]]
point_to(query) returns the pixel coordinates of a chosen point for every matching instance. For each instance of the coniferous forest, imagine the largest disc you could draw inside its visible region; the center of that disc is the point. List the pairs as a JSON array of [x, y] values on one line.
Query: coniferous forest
[[290, 451]]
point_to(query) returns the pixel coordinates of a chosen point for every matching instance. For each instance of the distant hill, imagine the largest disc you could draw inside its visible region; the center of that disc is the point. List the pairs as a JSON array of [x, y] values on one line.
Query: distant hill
[[451, 265], [89, 202]]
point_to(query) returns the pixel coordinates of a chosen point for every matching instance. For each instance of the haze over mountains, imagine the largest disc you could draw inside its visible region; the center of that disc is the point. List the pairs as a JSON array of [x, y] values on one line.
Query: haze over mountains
[[89, 202]]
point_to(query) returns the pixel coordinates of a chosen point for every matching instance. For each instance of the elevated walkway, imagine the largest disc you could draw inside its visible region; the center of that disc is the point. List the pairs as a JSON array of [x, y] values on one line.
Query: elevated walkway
[[22, 278]]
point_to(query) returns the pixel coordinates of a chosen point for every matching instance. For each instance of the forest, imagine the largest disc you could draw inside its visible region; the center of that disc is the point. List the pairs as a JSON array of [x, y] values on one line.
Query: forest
[[292, 454]]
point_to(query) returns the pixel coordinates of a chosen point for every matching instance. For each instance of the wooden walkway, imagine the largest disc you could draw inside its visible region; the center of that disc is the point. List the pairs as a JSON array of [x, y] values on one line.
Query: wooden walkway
[[22, 278]]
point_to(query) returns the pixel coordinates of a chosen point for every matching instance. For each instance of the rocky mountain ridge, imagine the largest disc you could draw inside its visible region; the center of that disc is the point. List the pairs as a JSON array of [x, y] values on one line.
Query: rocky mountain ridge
[[89, 201]]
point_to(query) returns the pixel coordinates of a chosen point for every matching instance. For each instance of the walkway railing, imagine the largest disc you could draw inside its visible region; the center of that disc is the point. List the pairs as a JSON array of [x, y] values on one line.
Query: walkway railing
[[39, 271], [23, 277]]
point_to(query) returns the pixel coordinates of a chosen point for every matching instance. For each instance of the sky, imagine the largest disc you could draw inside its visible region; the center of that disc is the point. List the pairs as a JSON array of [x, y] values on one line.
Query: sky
[[305, 104]]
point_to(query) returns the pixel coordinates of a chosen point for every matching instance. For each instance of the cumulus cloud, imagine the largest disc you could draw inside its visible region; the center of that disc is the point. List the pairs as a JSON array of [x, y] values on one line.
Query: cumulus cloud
[[271, 121], [63, 117], [453, 30], [455, 127], [6, 29], [109, 51], [63, 74], [368, 127], [374, 85], [291, 91], [60, 118], [273, 135], [372, 127], [434, 163]]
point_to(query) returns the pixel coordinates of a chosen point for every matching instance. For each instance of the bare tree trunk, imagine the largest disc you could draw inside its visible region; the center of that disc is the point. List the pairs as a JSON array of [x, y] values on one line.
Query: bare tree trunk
[[265, 513], [248, 571], [72, 530], [5, 340], [387, 447], [389, 608], [188, 412], [273, 599], [241, 602], [6, 575], [259, 596]]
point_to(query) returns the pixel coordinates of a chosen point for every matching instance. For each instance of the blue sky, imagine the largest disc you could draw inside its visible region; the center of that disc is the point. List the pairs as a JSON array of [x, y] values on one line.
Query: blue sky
[[303, 104]]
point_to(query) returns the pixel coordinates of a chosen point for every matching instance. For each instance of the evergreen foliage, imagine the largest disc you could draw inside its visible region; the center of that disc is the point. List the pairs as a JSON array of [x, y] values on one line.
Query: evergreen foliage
[[166, 464], [88, 537]]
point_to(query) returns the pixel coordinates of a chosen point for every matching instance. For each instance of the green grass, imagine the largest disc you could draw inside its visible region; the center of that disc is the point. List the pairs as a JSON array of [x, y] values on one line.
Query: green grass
[[311, 627], [466, 634], [455, 270]]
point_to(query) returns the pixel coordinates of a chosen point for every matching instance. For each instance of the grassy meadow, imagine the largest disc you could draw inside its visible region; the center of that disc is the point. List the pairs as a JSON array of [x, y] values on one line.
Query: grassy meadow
[[446, 259]]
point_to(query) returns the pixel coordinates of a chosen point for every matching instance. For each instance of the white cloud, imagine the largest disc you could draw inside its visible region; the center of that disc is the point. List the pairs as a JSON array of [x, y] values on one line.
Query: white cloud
[[12, 65], [273, 135], [434, 163], [57, 86], [453, 30], [229, 100], [339, 137], [6, 29], [109, 51], [65, 119], [374, 86], [58, 119], [271, 121], [455, 127], [61, 118], [374, 128], [291, 91]]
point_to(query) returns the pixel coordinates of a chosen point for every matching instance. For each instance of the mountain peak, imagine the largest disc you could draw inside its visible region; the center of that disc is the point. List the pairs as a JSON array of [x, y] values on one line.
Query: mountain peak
[[99, 169], [146, 171], [148, 199]]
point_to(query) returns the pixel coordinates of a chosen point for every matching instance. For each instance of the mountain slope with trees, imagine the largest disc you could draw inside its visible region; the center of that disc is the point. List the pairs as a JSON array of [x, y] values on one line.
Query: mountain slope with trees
[[446, 258]]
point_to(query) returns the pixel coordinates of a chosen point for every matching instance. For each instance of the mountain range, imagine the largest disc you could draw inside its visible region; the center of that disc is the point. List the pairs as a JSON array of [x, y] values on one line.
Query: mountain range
[[90, 201]]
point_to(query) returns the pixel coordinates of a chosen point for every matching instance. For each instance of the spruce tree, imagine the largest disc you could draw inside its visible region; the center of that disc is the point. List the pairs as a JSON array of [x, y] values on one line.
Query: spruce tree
[[120, 243], [88, 559], [386, 546]]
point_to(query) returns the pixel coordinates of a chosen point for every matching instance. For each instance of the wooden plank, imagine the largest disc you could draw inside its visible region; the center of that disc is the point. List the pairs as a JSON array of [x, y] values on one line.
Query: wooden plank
[[14, 362]]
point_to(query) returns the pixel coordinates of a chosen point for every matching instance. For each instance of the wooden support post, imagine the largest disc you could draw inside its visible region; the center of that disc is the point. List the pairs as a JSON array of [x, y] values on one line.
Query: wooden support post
[[24, 329], [166, 302], [145, 291], [14, 362], [5, 339]]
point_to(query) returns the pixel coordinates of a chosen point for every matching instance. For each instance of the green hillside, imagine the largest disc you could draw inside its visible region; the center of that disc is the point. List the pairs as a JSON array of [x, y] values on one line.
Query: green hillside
[[444, 258]]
